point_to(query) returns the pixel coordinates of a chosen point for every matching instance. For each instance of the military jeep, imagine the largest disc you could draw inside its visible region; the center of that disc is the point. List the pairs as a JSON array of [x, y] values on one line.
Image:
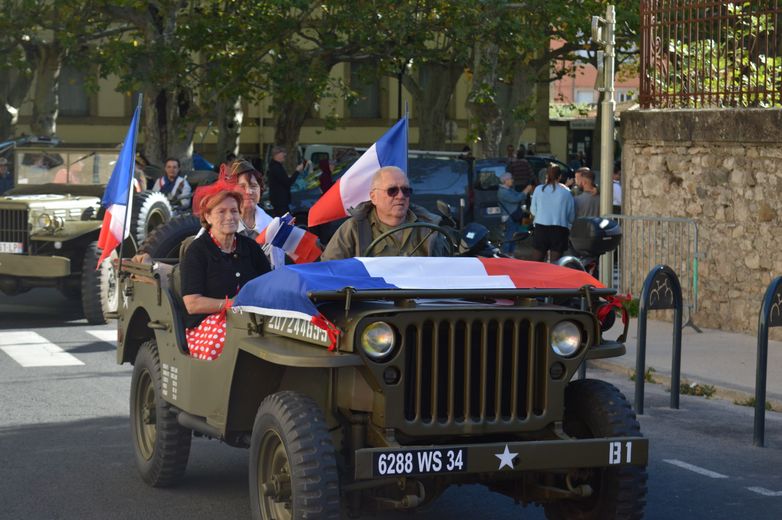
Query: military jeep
[[421, 389], [50, 222]]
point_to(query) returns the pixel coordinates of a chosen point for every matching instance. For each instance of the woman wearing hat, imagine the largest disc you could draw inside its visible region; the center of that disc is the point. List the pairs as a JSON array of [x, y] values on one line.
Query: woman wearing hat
[[215, 266]]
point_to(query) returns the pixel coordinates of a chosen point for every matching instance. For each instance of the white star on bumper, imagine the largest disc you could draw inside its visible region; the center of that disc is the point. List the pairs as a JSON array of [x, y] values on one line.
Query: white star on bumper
[[506, 458]]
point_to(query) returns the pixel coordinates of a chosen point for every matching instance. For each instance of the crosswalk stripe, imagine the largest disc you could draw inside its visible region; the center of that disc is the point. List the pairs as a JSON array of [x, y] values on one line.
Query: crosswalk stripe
[[30, 349], [696, 469], [109, 336]]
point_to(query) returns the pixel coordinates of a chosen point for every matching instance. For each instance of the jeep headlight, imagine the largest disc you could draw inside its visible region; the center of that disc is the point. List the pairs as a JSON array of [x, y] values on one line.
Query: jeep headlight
[[378, 340], [48, 222], [44, 221], [565, 338]]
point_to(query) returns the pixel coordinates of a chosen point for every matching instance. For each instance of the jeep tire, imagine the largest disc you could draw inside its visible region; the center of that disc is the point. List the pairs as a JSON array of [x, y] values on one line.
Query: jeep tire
[[150, 209], [293, 469], [99, 290], [161, 446], [595, 409], [164, 242]]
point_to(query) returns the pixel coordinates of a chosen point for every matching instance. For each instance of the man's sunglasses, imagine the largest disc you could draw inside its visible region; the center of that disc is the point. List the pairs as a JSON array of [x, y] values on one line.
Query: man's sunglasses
[[393, 191]]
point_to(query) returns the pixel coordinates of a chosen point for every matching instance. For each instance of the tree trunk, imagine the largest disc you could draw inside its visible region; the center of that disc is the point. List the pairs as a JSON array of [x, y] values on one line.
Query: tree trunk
[[154, 130], [168, 126], [287, 128], [431, 102], [482, 99], [229, 127], [542, 139], [46, 90], [517, 104], [14, 86]]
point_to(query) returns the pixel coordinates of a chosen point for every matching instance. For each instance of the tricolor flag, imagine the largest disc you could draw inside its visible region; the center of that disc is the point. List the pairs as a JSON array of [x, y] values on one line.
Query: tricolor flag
[[300, 245], [117, 198], [283, 292], [353, 187]]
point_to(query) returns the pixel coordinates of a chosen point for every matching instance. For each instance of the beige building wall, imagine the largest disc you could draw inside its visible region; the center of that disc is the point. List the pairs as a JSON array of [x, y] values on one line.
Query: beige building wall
[[110, 112]]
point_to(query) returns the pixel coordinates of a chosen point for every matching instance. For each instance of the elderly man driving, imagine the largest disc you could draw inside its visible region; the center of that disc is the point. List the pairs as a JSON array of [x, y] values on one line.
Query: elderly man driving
[[388, 207]]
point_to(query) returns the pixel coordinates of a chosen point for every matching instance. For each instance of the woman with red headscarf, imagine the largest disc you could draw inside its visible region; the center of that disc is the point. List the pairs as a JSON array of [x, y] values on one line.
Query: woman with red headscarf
[[215, 266]]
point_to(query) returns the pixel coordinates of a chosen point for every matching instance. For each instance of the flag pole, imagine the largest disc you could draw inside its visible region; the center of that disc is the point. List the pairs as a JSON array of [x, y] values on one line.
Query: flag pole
[[128, 214]]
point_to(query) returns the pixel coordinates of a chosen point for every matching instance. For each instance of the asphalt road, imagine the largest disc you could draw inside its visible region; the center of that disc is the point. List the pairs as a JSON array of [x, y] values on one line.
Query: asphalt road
[[65, 450]]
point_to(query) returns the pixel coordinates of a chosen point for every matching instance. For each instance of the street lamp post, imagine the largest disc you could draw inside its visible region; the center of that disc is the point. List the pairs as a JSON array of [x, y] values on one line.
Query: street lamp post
[[603, 35]]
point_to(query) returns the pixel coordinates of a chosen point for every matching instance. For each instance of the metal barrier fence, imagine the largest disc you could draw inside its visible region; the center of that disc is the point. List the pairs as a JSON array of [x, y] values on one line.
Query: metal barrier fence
[[710, 53], [650, 241]]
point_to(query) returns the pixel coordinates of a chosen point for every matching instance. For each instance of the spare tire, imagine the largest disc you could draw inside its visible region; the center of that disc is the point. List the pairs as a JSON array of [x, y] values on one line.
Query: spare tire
[[165, 240], [150, 209]]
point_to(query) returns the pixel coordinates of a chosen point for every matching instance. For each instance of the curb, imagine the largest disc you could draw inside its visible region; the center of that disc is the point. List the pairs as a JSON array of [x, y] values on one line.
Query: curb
[[720, 392]]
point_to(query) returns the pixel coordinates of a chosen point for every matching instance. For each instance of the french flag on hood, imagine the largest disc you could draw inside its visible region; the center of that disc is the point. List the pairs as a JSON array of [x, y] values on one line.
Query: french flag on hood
[[283, 292], [353, 187], [117, 198]]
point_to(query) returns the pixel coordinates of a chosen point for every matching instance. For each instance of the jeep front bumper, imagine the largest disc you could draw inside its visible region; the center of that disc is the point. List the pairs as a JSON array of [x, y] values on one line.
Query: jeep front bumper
[[34, 266], [499, 458]]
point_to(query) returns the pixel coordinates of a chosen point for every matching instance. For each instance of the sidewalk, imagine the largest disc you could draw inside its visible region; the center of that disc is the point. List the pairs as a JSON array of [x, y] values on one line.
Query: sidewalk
[[726, 360]]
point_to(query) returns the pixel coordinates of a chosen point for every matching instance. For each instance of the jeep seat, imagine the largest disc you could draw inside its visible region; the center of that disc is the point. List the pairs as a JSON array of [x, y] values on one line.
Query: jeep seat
[[175, 289]]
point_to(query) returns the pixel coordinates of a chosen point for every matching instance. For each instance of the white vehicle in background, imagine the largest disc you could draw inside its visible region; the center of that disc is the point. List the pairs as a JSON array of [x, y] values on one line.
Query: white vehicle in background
[[51, 219]]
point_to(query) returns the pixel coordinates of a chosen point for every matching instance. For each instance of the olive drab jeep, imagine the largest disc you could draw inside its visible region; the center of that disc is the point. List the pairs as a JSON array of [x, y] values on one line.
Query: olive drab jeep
[[50, 223], [422, 389]]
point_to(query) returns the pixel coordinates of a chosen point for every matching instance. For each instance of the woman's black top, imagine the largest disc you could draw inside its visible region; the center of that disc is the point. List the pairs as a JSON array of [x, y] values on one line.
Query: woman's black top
[[208, 271]]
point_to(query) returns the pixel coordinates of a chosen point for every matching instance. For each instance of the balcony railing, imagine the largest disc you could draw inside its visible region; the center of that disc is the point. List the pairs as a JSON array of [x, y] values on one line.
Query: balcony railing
[[699, 53]]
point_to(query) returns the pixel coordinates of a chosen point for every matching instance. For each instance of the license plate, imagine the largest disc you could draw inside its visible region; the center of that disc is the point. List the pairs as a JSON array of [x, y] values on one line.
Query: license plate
[[11, 247], [419, 462]]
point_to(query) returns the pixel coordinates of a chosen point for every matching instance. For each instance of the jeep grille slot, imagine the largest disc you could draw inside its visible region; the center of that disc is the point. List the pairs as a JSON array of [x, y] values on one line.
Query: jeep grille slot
[[471, 371], [14, 226]]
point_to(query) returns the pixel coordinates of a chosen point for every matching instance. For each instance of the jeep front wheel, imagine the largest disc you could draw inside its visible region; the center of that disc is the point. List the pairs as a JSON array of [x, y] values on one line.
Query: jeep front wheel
[[596, 409], [99, 290], [293, 469], [161, 446]]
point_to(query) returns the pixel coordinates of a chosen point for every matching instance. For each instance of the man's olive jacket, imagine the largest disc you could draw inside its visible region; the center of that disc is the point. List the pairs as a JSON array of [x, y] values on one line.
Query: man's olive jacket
[[355, 234]]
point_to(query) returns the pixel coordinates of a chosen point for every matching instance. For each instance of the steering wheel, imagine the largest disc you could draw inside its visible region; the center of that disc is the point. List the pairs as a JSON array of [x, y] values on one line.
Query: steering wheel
[[433, 228]]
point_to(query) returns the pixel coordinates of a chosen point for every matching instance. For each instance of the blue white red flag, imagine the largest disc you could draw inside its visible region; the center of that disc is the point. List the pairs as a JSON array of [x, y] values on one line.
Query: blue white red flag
[[283, 292], [300, 245], [117, 198], [352, 188]]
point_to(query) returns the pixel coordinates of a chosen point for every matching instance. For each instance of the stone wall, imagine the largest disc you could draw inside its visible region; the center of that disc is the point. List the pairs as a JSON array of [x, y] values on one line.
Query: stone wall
[[723, 169]]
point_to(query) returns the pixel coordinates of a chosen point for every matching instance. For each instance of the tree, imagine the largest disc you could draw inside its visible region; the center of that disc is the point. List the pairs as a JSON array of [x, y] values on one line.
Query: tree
[[189, 58], [37, 38]]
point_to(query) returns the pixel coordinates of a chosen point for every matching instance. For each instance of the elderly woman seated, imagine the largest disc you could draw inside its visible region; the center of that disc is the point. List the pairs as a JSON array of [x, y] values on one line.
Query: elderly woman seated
[[215, 266]]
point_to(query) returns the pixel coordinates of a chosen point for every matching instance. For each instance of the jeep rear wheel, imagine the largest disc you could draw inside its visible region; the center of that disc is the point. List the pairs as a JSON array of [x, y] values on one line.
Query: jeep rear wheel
[[99, 290], [150, 209], [595, 409], [293, 469], [161, 446]]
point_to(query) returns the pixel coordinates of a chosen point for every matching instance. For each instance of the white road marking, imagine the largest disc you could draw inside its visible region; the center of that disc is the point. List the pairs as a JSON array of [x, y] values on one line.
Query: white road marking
[[30, 349], [765, 492], [109, 336], [695, 469]]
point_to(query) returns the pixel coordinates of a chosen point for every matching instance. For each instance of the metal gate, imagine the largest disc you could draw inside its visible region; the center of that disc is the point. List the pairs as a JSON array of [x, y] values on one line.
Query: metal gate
[[649, 241]]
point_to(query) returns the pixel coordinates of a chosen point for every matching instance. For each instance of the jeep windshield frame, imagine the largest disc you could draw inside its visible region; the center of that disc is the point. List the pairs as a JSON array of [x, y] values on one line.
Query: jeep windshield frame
[[349, 294]]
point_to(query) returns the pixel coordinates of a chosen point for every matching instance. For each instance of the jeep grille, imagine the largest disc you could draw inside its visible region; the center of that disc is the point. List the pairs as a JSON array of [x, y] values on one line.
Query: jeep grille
[[474, 371], [14, 226]]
